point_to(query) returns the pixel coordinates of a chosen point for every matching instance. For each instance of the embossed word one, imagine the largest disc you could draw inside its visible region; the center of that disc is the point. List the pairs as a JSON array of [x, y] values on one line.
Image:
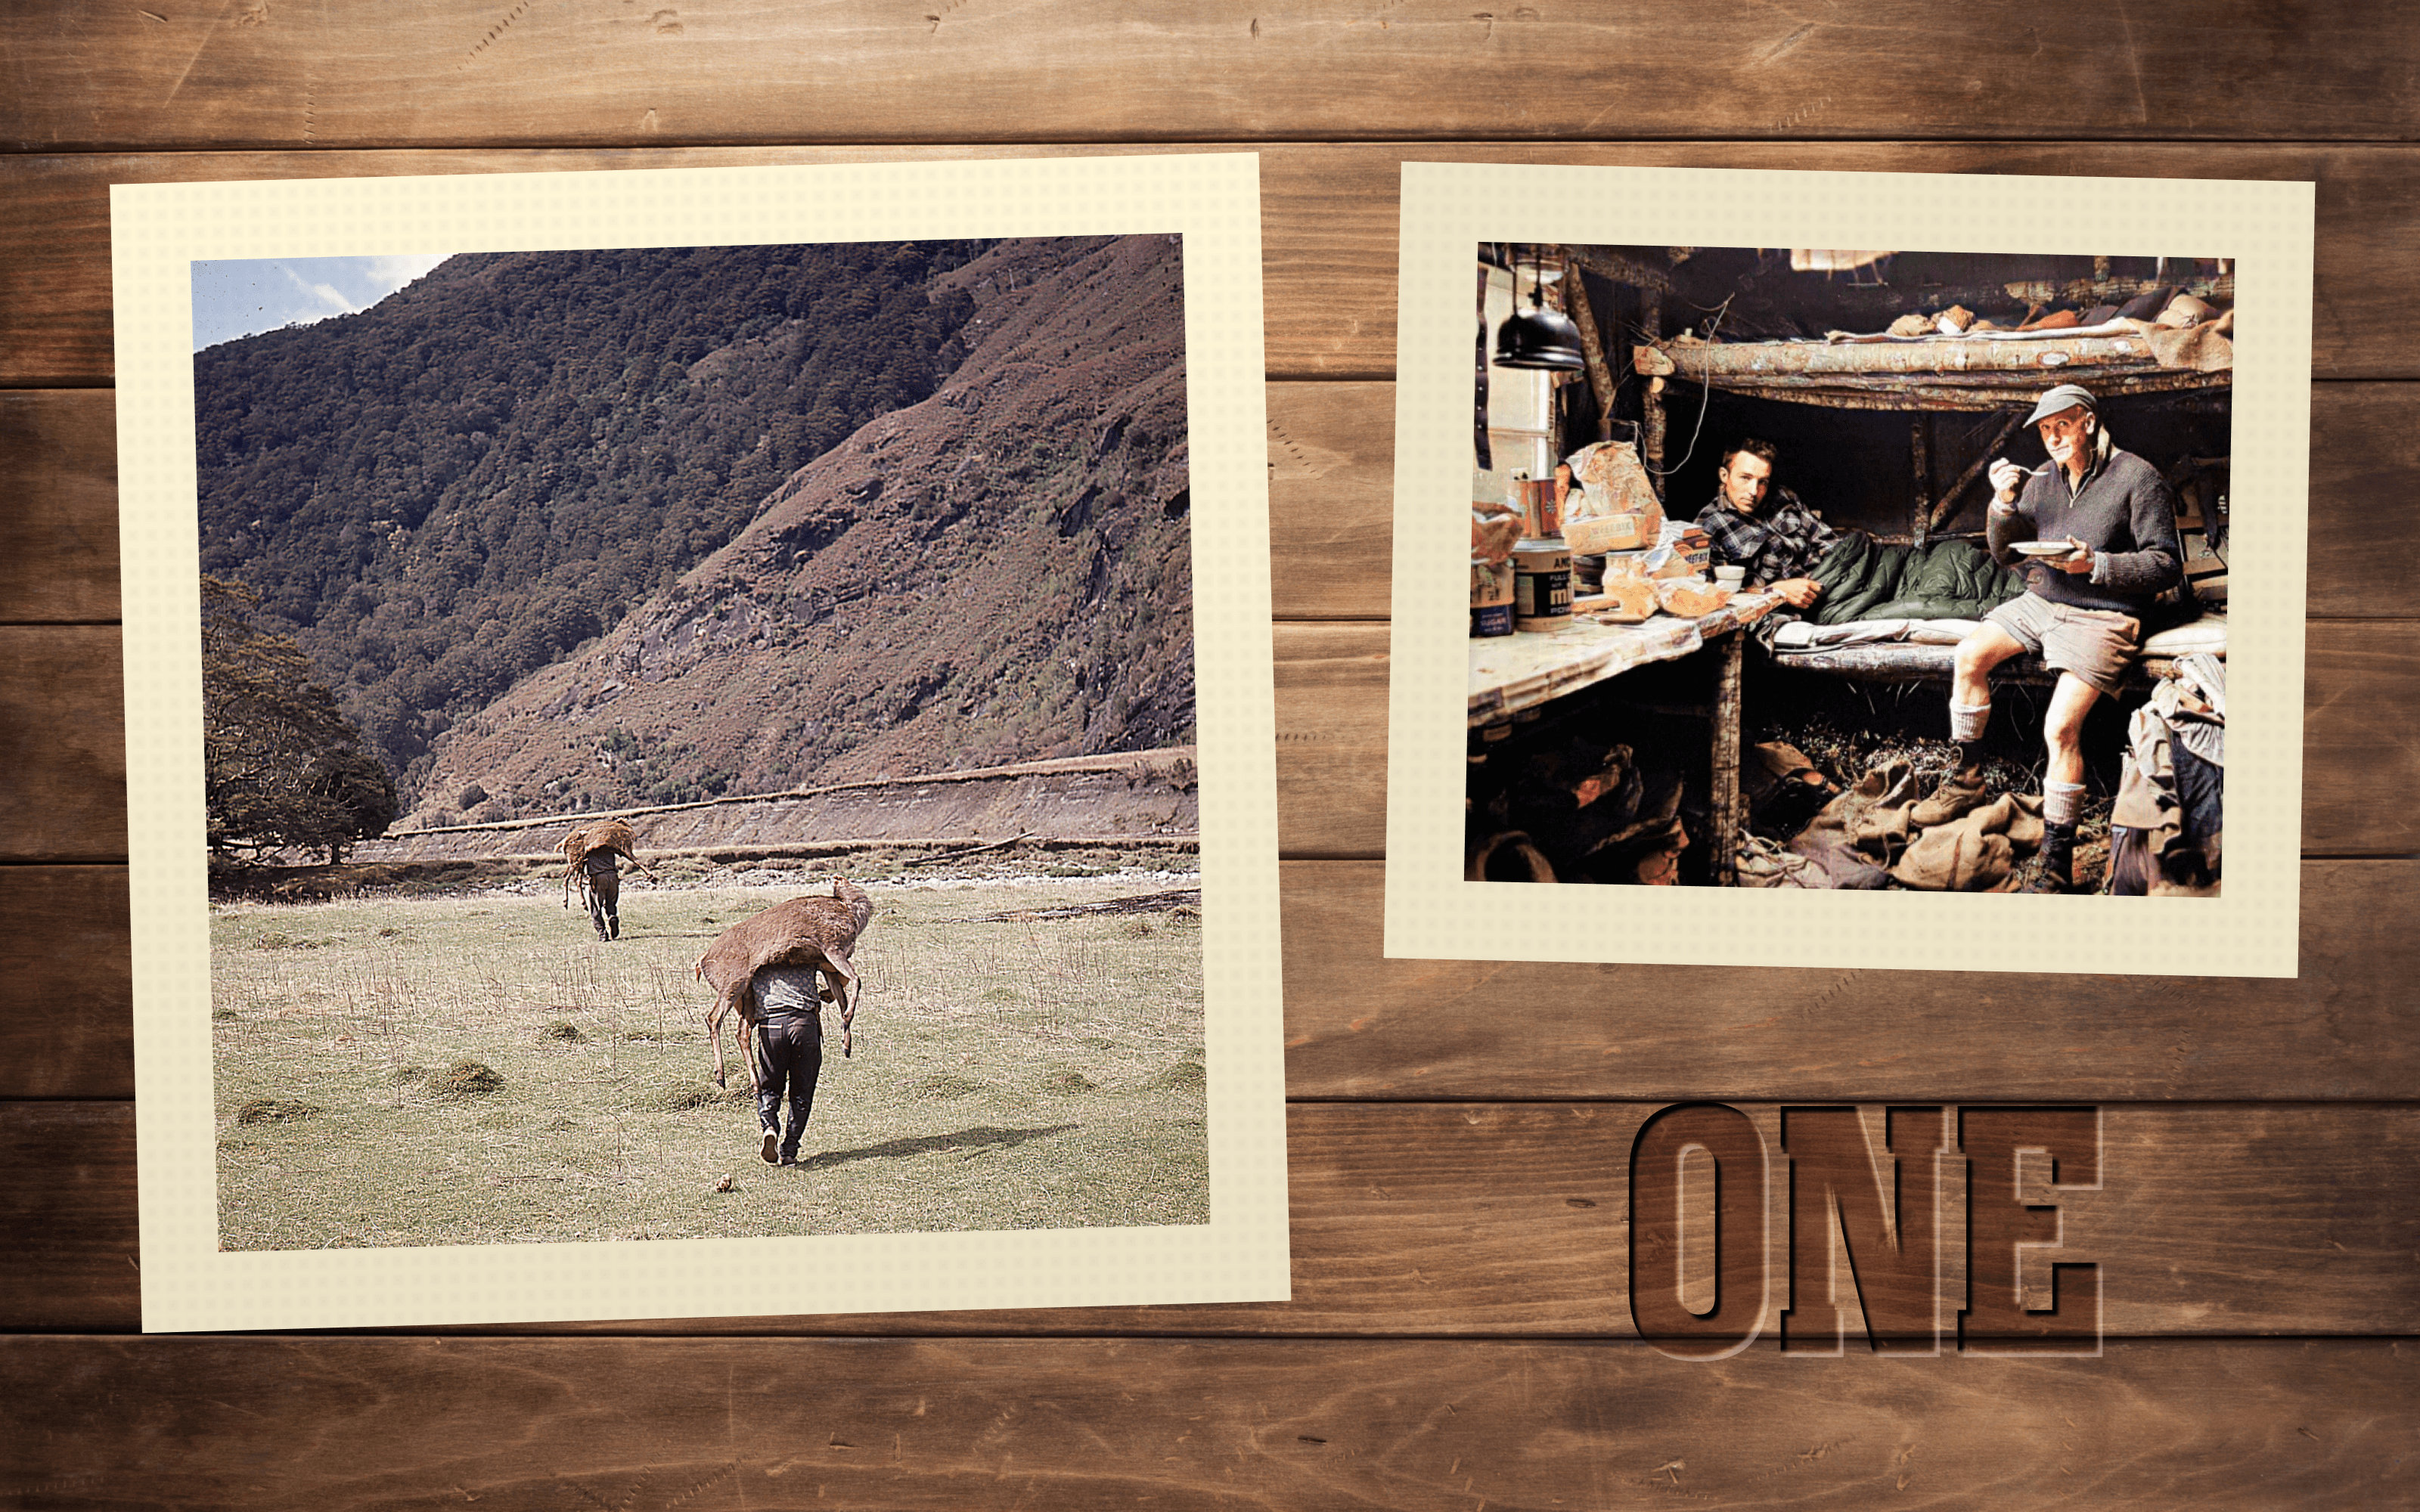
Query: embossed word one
[[1888, 1210]]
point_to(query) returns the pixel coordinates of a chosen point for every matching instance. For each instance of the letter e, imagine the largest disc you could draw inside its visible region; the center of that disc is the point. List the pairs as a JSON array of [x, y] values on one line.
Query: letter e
[[2001, 1225]]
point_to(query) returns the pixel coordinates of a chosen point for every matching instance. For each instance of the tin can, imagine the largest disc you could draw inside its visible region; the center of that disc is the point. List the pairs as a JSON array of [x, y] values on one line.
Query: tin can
[[1542, 585], [1540, 517], [1491, 597]]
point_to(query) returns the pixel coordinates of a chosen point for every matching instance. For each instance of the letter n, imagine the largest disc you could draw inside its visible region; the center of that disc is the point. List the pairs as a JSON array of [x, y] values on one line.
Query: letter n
[[1890, 1227], [1737, 1233], [2001, 1225]]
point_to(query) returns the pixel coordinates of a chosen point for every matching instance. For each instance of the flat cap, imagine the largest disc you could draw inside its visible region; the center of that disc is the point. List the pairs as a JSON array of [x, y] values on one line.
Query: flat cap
[[2066, 396]]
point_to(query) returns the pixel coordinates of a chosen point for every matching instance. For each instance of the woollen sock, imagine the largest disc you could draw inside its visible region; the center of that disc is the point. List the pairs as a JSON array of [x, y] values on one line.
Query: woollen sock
[[2061, 803], [1967, 722]]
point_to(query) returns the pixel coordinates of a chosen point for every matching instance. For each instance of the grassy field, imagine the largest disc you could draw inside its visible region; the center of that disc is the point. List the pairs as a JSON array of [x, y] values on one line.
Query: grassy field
[[480, 1069]]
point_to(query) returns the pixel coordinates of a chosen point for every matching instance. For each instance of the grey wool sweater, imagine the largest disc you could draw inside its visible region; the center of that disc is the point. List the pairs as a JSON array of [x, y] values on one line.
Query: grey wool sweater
[[2125, 512]]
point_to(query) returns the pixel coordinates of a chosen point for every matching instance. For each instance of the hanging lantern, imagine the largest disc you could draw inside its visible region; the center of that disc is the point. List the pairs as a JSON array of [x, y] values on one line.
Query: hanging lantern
[[1538, 337]]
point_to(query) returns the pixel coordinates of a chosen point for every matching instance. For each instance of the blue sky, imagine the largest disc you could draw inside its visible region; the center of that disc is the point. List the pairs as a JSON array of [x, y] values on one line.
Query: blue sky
[[239, 299]]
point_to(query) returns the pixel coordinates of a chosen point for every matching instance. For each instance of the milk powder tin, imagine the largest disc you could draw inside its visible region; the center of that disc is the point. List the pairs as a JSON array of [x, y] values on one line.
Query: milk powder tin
[[1542, 585]]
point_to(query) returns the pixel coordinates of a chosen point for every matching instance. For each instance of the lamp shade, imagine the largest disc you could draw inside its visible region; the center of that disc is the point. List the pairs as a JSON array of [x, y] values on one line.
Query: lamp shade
[[1539, 337]]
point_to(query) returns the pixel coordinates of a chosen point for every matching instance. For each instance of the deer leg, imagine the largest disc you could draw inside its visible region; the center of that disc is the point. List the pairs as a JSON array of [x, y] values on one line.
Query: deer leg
[[714, 1035], [842, 978]]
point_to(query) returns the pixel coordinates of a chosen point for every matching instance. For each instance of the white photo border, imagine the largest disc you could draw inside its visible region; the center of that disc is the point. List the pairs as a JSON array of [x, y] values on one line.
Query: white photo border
[[1213, 202], [2251, 930]]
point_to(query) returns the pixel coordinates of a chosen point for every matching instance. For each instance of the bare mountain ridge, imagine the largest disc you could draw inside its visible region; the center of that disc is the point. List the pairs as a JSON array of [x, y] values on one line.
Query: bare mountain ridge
[[1001, 573]]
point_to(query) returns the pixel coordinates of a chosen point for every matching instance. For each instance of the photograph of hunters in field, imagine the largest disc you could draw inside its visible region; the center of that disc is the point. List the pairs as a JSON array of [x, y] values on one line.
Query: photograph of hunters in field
[[611, 655], [1971, 510]]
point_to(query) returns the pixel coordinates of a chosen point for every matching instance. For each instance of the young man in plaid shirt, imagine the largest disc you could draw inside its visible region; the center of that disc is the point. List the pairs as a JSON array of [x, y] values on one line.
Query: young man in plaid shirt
[[1778, 540]]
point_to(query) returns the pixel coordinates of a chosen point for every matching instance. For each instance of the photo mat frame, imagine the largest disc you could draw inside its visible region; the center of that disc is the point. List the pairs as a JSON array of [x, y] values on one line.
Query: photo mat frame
[[2252, 928], [1212, 202]]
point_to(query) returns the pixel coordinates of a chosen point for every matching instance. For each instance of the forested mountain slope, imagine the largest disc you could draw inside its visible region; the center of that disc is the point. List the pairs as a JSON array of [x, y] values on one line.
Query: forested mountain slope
[[1000, 573], [571, 530], [457, 487]]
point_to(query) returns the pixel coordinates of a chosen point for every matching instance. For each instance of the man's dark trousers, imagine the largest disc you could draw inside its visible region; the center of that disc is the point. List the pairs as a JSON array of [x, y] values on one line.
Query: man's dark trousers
[[790, 1052], [604, 899]]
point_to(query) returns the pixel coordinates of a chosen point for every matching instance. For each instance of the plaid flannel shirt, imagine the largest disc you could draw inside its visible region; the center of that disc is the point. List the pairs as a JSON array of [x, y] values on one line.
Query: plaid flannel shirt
[[1785, 539]]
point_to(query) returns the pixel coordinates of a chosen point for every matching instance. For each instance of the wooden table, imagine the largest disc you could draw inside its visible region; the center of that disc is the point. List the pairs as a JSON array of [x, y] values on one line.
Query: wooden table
[[1459, 1338], [1528, 670]]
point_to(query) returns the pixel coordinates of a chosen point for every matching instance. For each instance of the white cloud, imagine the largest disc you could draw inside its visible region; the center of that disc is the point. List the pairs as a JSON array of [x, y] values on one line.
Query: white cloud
[[326, 294], [389, 274]]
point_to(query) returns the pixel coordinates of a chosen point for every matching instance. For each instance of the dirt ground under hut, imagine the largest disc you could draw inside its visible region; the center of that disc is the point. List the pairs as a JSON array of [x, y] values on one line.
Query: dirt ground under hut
[[1596, 783]]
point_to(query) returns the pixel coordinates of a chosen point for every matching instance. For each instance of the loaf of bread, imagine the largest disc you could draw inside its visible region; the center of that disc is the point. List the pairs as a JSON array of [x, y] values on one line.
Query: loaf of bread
[[1690, 597]]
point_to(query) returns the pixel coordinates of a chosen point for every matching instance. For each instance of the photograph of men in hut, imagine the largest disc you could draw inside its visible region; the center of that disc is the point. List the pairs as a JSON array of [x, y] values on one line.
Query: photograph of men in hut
[[699, 743], [1850, 568]]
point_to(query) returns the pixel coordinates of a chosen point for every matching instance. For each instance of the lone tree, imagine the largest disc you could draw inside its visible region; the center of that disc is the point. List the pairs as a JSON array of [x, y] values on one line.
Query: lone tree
[[282, 765]]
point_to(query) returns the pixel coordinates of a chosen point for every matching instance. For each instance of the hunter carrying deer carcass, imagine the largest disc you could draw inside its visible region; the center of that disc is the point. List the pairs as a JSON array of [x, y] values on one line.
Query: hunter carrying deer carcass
[[767, 967], [594, 854]]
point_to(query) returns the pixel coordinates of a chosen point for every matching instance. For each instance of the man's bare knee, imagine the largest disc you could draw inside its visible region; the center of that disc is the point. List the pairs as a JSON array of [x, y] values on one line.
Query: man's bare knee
[[1983, 649]]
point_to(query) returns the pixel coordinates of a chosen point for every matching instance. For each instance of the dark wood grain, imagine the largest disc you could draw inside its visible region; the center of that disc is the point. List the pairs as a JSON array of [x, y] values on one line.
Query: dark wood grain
[[62, 743], [67, 1184], [1511, 1219], [1458, 1221], [1329, 218], [1361, 1025], [268, 1424], [67, 1027], [58, 530], [446, 71]]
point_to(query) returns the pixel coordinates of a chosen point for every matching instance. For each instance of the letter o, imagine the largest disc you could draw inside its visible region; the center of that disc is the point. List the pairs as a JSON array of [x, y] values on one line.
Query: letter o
[[1655, 1228]]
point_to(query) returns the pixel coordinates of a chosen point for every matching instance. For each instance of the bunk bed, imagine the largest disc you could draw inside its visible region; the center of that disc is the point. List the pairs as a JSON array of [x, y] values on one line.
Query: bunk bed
[[1982, 370]]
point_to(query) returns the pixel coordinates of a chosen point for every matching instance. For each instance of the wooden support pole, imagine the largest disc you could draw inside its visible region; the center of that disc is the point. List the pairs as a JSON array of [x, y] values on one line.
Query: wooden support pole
[[1921, 455], [1651, 430], [1948, 508], [1617, 268], [1600, 372], [1726, 773]]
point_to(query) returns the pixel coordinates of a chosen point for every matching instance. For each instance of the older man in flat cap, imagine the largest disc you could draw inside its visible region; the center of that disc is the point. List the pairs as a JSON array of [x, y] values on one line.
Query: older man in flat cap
[[2082, 612]]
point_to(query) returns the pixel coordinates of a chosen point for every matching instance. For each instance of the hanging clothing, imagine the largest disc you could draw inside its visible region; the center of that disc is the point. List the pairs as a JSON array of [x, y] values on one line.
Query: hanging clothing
[[2167, 826]]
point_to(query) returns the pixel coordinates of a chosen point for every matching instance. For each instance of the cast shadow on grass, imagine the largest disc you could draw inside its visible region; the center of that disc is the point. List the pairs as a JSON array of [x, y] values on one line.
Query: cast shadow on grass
[[964, 1139]]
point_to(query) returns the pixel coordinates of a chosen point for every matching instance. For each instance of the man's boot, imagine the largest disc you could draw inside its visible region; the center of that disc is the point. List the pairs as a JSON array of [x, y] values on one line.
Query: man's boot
[[2056, 870], [1960, 791]]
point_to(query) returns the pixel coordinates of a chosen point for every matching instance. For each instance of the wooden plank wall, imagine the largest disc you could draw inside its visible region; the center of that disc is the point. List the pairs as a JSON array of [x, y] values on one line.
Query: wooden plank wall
[[1459, 1132]]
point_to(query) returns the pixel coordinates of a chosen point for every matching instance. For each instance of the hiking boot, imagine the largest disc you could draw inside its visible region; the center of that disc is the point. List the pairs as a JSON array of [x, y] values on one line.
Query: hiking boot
[[1960, 791], [771, 1149], [2046, 879], [2056, 873]]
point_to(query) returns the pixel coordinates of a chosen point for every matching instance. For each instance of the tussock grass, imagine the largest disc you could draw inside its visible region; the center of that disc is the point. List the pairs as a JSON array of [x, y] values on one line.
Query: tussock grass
[[1006, 1074], [275, 1110], [464, 1078]]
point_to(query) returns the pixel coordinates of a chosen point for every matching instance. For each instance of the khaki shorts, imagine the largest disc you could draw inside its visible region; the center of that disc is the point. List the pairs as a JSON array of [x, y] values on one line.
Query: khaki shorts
[[2096, 645]]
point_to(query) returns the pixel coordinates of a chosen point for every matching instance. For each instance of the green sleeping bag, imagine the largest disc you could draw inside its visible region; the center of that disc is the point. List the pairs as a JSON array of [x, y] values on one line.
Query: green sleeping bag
[[1864, 578]]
